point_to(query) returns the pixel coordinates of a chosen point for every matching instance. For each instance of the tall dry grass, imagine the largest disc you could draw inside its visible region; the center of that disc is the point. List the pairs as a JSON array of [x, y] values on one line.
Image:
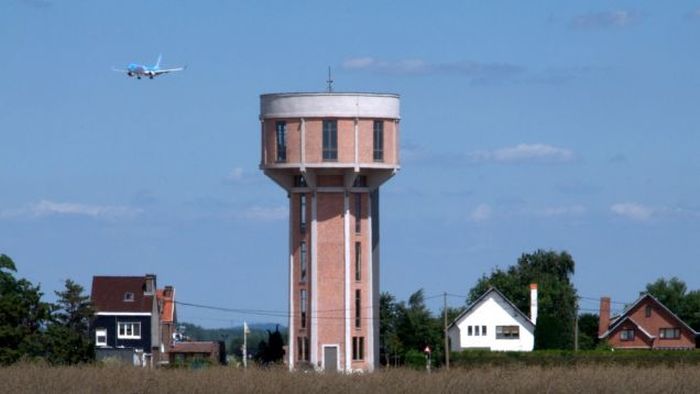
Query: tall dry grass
[[580, 379]]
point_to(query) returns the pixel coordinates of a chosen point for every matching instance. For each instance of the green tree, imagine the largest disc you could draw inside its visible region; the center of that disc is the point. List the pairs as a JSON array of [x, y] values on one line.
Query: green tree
[[588, 331], [389, 342], [272, 350], [417, 328], [22, 316], [552, 271], [68, 335]]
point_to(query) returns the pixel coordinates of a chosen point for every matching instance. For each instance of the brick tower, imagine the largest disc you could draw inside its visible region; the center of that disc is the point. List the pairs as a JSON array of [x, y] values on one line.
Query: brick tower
[[331, 152]]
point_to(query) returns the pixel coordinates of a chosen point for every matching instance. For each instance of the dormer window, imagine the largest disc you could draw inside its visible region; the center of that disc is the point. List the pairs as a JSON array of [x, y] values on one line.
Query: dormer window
[[128, 297]]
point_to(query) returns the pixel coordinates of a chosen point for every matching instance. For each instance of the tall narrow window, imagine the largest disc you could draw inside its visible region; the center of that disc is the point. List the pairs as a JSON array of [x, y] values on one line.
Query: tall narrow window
[[358, 212], [358, 348], [303, 348], [330, 140], [378, 140], [358, 308], [302, 213], [358, 261], [302, 307], [302, 261], [281, 136]]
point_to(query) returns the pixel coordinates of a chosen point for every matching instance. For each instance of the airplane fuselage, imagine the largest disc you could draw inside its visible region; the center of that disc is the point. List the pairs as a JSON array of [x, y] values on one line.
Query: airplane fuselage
[[139, 70]]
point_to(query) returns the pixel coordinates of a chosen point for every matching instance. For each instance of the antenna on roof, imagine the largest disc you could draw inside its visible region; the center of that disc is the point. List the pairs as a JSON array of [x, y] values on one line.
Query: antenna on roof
[[329, 81]]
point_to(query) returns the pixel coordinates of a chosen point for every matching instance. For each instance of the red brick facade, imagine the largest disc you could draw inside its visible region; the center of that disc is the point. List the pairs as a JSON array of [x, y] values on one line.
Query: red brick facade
[[646, 324]]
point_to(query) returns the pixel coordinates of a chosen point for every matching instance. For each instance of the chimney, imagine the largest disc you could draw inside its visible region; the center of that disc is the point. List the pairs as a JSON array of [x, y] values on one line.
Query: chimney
[[533, 303], [604, 317], [150, 285]]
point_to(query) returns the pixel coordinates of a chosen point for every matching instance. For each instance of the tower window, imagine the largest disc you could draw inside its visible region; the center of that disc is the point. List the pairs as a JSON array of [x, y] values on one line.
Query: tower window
[[358, 348], [358, 308], [302, 307], [358, 212], [281, 137], [302, 261], [358, 260], [303, 345], [330, 140], [302, 213], [378, 140]]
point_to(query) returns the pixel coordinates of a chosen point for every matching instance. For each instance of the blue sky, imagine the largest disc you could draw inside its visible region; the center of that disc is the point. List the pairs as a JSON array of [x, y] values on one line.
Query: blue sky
[[563, 125]]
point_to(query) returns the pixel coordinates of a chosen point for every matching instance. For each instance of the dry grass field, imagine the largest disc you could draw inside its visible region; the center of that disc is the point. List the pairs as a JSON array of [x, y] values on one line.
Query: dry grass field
[[580, 379]]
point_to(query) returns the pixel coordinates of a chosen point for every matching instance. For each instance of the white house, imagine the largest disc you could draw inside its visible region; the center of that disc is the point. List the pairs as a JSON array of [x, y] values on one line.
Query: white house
[[493, 322]]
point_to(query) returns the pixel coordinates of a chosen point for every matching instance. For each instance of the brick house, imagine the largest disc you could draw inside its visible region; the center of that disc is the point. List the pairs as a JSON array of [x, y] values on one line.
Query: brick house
[[646, 324]]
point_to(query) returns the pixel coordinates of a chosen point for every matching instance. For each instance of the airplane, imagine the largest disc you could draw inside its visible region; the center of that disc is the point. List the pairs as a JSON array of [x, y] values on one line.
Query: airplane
[[140, 70]]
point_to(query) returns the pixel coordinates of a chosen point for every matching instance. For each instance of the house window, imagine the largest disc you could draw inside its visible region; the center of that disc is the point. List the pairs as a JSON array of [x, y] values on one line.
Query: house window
[[128, 297], [129, 330], [358, 260], [476, 331], [302, 213], [483, 330], [358, 306], [303, 346], [358, 212], [330, 140], [647, 311], [358, 348], [302, 261], [670, 333], [627, 334], [469, 330], [378, 140], [303, 307], [281, 137], [101, 337], [507, 332]]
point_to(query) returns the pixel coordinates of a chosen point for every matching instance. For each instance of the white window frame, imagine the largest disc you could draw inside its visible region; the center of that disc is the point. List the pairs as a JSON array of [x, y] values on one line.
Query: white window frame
[[98, 333], [128, 325]]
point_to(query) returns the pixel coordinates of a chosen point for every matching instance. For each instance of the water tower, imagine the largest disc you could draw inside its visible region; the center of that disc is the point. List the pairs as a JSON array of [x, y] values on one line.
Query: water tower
[[330, 152]]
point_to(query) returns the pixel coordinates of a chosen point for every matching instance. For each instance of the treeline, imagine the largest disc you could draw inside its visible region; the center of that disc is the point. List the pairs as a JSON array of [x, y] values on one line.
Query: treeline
[[32, 329], [265, 342]]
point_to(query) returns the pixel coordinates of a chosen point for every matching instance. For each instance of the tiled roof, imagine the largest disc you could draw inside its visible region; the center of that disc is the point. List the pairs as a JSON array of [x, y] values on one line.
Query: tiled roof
[[109, 294], [195, 347], [166, 299]]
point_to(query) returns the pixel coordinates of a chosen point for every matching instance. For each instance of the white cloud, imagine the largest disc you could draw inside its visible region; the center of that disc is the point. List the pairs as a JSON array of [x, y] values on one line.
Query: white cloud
[[571, 210], [607, 19], [633, 211], [525, 153], [477, 71], [265, 213], [481, 213], [50, 208], [235, 175]]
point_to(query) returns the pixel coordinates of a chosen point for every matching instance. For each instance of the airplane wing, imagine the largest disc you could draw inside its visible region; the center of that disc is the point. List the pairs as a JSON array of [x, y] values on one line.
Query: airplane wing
[[169, 70], [120, 70]]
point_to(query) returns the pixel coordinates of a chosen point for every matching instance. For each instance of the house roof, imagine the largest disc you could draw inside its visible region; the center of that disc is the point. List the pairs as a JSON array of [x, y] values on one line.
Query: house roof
[[624, 316], [108, 294], [496, 292], [194, 347], [619, 322], [166, 300]]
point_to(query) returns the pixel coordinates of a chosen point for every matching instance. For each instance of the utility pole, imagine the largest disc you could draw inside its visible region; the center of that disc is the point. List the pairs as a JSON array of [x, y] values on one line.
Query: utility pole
[[576, 332], [246, 331], [447, 343]]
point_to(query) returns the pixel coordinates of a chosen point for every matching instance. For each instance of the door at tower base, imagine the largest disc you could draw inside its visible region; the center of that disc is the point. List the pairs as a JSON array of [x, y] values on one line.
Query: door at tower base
[[330, 358]]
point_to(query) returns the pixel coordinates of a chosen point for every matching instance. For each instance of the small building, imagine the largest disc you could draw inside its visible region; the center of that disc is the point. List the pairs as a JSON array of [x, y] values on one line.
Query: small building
[[186, 352], [646, 324], [493, 322], [127, 319]]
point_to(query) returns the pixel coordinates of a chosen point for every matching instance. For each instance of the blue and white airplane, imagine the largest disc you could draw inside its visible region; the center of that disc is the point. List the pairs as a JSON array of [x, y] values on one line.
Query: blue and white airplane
[[140, 70]]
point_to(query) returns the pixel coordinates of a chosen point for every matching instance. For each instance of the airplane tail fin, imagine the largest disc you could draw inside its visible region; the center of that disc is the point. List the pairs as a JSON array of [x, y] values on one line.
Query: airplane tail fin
[[158, 62]]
